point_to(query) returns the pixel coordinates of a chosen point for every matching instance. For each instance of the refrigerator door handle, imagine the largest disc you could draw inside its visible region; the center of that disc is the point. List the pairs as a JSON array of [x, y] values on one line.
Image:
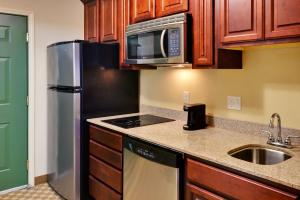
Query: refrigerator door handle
[[65, 89]]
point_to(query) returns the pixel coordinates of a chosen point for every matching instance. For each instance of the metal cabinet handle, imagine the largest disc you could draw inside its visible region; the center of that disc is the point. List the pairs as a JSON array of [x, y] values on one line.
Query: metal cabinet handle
[[162, 37]]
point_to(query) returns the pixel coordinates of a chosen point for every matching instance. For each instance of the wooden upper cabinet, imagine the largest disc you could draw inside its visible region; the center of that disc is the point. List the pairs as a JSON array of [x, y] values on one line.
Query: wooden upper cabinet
[[124, 22], [202, 13], [282, 18], [241, 20], [91, 21], [108, 20], [141, 10], [168, 7]]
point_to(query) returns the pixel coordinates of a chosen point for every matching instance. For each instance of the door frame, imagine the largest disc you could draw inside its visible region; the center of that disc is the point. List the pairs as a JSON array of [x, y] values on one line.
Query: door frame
[[31, 90]]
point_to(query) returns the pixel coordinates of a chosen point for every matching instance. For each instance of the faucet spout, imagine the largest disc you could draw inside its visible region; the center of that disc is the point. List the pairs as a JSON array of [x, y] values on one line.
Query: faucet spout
[[271, 125], [278, 141]]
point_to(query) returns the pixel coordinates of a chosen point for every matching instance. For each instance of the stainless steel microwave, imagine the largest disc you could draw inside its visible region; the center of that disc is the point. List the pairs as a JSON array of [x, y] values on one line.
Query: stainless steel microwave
[[159, 41]]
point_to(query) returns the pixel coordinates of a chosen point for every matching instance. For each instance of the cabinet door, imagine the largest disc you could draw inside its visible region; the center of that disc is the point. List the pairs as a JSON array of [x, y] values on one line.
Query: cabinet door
[[108, 20], [282, 18], [124, 22], [241, 20], [91, 21], [202, 12], [141, 10], [100, 191], [106, 173], [232, 185], [195, 193], [167, 7]]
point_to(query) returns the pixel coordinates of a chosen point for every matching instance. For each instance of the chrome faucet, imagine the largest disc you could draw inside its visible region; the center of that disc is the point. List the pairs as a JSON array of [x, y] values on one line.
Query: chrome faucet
[[271, 125], [278, 141]]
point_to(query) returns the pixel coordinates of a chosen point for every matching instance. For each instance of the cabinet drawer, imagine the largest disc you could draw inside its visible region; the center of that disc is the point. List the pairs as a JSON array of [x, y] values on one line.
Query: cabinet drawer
[[107, 138], [106, 174], [101, 192], [232, 185], [195, 193], [106, 154]]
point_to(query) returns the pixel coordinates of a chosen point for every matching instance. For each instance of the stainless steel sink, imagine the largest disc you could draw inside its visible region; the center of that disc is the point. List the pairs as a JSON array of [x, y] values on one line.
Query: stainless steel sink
[[260, 155]]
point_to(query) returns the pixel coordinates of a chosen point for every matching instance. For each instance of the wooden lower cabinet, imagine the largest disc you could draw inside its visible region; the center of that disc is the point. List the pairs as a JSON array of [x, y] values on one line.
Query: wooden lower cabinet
[[195, 193], [99, 191], [203, 182], [108, 155], [105, 164], [107, 174], [107, 138], [226, 184]]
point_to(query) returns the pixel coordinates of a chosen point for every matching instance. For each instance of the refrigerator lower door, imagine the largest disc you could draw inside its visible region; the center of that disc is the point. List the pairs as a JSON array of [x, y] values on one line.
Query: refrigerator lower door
[[64, 143]]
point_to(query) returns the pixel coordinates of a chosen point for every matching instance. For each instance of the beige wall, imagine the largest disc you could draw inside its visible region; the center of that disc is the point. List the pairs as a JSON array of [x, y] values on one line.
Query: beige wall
[[269, 82], [55, 20]]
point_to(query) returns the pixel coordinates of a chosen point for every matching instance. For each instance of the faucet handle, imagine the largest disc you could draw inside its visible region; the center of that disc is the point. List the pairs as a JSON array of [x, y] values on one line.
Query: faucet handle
[[288, 140], [271, 138]]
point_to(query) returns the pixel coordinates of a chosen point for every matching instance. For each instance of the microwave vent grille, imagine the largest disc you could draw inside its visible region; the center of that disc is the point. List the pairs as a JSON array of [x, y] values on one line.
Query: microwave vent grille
[[156, 23]]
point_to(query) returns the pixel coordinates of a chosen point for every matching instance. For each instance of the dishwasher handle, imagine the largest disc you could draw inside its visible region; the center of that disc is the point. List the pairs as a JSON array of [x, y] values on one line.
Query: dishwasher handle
[[153, 152]]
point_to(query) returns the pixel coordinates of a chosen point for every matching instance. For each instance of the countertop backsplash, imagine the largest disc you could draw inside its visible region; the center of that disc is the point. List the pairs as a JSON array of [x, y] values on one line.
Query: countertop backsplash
[[219, 122]]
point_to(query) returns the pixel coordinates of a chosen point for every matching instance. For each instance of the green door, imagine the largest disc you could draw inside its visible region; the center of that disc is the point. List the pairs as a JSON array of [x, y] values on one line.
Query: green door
[[13, 103]]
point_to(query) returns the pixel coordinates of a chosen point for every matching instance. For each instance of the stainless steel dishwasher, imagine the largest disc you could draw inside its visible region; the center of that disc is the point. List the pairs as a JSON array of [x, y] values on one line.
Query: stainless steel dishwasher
[[151, 172]]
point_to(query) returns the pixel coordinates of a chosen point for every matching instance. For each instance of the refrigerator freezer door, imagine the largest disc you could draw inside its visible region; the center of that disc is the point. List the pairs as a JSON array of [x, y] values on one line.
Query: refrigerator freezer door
[[64, 143], [64, 63]]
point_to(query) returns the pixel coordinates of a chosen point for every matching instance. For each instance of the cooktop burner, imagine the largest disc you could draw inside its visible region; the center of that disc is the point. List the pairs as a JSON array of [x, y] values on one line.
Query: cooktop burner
[[137, 121]]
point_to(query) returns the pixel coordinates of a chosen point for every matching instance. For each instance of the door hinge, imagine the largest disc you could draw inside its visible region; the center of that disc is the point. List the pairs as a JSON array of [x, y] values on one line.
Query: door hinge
[[27, 37], [27, 165], [27, 101]]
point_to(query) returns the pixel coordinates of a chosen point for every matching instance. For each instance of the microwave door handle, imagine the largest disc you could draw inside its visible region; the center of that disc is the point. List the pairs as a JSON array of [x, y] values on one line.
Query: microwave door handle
[[162, 37]]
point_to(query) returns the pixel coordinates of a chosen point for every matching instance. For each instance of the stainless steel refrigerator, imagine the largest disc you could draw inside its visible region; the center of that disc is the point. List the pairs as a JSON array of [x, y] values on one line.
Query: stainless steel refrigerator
[[83, 82]]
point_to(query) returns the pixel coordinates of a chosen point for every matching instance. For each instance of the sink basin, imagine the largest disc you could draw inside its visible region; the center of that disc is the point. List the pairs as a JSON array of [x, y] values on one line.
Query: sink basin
[[260, 155]]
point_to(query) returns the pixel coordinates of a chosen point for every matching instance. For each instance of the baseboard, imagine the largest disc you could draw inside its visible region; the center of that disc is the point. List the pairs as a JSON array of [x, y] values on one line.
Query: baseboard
[[40, 179], [13, 189]]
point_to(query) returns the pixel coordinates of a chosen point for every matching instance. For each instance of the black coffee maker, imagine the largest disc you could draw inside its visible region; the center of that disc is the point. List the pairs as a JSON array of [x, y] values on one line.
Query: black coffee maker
[[196, 116]]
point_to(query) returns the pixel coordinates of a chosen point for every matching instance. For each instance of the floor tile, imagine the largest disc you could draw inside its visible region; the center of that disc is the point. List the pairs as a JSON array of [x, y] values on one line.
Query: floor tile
[[40, 192]]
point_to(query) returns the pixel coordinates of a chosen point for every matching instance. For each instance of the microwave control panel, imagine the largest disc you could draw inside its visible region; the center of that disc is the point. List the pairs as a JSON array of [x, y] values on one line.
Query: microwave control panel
[[174, 42]]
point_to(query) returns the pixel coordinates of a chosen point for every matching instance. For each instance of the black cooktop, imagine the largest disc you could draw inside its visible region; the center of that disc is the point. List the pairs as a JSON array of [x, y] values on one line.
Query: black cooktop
[[137, 121]]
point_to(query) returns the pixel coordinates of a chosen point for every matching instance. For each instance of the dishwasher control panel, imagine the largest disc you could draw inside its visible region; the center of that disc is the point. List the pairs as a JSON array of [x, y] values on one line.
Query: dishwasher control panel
[[146, 153], [153, 152]]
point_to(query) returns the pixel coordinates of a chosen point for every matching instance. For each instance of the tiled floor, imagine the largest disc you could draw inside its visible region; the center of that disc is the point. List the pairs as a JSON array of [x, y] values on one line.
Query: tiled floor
[[40, 192]]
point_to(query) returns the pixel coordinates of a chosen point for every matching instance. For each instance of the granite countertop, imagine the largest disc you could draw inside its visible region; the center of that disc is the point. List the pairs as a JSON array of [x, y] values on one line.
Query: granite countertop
[[213, 144]]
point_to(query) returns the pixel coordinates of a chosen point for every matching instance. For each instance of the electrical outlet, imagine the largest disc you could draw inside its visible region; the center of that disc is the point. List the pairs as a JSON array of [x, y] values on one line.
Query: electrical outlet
[[234, 103], [186, 97]]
